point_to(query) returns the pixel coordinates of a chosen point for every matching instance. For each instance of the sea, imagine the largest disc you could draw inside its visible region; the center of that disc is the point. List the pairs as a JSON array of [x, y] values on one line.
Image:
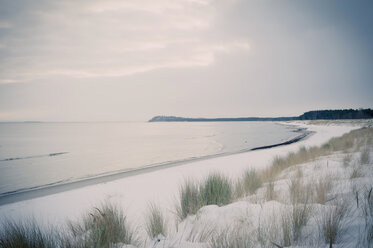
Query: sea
[[34, 155]]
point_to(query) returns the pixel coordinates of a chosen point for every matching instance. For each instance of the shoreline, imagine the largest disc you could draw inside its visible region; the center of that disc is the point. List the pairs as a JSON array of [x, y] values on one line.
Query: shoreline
[[54, 188]]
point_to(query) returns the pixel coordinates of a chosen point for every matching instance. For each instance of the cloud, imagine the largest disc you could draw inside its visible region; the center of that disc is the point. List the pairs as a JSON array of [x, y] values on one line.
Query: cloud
[[197, 56], [5, 25], [132, 59], [112, 38]]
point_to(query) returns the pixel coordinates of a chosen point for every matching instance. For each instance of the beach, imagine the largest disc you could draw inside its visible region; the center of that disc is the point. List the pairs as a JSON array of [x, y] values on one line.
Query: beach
[[58, 187], [186, 124], [43, 156], [160, 185]]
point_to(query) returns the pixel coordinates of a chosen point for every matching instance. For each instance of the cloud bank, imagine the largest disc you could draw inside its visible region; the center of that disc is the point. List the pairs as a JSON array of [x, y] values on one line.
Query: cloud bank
[[132, 59]]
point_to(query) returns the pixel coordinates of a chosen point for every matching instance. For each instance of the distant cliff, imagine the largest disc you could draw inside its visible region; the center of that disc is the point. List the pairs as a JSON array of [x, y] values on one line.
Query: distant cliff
[[310, 115]]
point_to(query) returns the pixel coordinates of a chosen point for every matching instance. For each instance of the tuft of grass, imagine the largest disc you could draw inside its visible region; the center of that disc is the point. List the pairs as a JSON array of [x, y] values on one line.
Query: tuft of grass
[[355, 172], [190, 200], [344, 143], [299, 172], [300, 215], [332, 222], [364, 156], [347, 160], [293, 158], [286, 229], [200, 233], [239, 189], [367, 209], [322, 188], [270, 191], [26, 234], [217, 190], [101, 227], [299, 192], [368, 202], [248, 184], [293, 221], [251, 181], [155, 222], [269, 232], [236, 237]]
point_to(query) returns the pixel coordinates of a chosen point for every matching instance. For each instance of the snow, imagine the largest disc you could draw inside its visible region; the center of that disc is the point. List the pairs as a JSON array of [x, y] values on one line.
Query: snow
[[161, 187]]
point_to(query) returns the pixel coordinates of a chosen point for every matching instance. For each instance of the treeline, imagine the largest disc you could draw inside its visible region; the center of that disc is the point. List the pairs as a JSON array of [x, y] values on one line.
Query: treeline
[[181, 119], [310, 115], [337, 114]]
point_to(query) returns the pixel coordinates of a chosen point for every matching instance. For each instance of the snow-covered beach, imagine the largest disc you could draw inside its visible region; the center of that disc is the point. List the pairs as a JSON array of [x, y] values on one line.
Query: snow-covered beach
[[186, 124], [60, 156], [290, 134], [161, 187]]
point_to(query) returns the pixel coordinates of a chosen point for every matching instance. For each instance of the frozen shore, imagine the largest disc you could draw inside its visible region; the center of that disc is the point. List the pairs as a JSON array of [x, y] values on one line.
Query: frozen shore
[[155, 185], [59, 187], [135, 193]]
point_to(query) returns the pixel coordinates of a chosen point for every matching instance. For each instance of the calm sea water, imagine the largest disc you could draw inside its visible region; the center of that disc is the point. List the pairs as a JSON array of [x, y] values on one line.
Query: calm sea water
[[37, 154]]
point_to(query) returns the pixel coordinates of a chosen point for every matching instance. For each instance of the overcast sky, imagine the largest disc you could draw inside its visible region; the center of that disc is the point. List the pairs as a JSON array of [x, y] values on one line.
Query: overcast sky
[[129, 60]]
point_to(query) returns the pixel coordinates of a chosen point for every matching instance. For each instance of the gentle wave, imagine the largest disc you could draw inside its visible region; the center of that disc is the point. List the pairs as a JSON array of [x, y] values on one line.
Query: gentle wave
[[35, 156]]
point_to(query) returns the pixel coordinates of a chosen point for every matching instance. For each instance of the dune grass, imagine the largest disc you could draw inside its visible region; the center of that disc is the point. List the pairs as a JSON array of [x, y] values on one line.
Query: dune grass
[[332, 221], [251, 181], [293, 158], [292, 221], [270, 191], [356, 138], [300, 214], [101, 227], [303, 155], [286, 229], [107, 225], [216, 189], [356, 172], [322, 187], [27, 234], [190, 200], [299, 192], [247, 184], [347, 160], [200, 233], [368, 202], [367, 209], [239, 190], [236, 237], [300, 197], [365, 156], [268, 232], [155, 222]]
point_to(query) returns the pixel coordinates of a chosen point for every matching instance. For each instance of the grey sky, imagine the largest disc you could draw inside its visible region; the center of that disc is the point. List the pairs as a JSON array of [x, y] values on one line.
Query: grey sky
[[119, 60]]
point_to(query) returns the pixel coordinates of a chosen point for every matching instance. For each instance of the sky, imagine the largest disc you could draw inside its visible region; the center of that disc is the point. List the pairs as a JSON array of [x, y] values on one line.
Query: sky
[[129, 60]]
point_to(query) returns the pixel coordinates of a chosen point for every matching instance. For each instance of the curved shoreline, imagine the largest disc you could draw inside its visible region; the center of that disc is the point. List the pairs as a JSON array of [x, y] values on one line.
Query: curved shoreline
[[59, 187], [296, 139]]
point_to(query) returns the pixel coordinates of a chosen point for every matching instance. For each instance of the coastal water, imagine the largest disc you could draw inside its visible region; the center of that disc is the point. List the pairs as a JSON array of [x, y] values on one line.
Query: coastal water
[[40, 154]]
